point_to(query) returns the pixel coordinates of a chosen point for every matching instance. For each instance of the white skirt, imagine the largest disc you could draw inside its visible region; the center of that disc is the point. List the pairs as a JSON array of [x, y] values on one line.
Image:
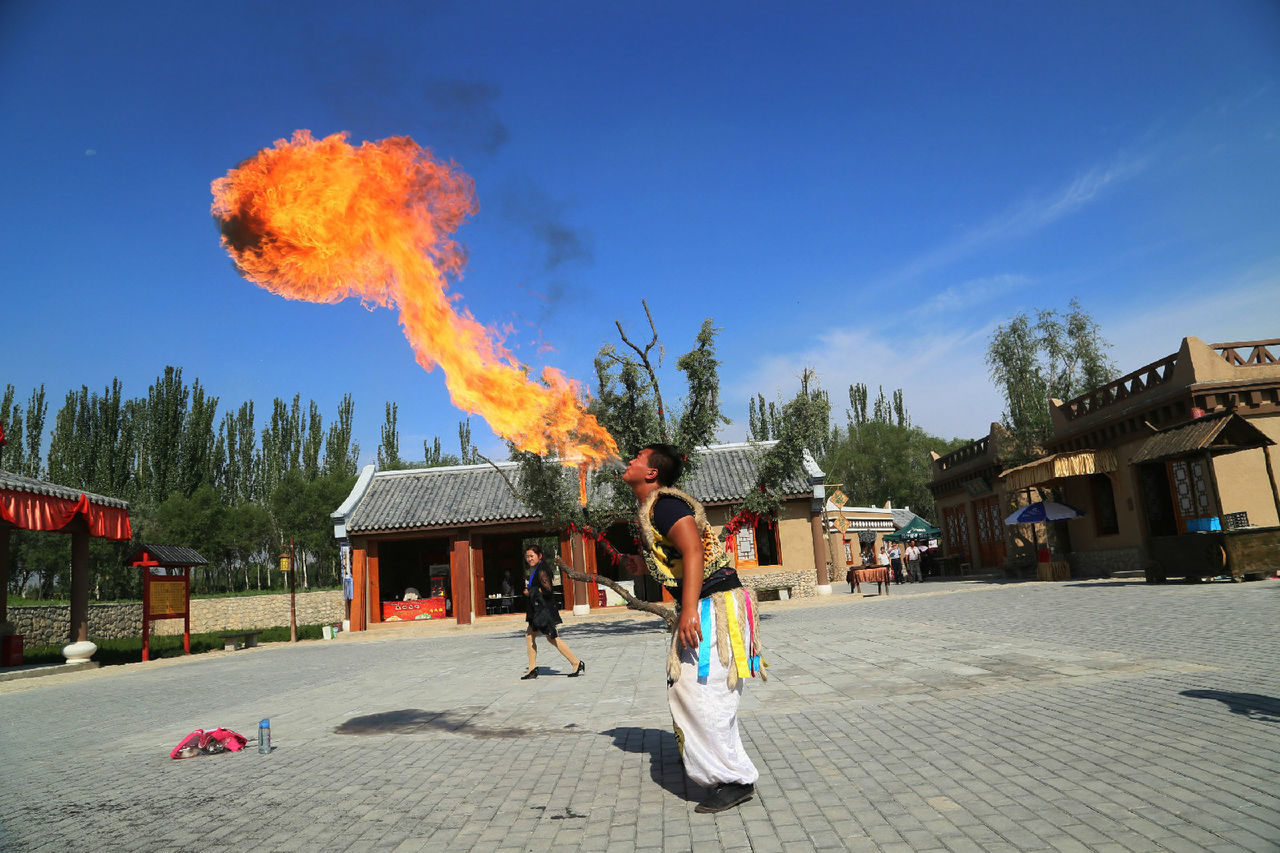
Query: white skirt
[[705, 713]]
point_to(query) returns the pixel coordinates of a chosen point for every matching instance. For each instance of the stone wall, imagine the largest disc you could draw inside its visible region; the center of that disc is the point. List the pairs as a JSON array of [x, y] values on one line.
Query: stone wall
[[50, 624], [1103, 564], [803, 583]]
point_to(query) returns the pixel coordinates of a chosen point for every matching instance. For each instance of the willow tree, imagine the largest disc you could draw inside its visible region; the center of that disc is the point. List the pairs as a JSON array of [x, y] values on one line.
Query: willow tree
[[1059, 356]]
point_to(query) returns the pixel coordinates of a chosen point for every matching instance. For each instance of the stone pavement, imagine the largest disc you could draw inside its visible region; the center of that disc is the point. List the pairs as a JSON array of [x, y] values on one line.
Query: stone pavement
[[955, 716]]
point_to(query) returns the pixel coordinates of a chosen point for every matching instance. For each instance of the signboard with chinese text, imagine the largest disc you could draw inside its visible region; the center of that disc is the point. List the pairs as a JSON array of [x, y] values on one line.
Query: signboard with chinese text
[[168, 599]]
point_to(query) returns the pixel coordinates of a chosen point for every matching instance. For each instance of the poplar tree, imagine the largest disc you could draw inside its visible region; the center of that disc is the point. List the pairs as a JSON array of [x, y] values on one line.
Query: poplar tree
[[312, 442], [389, 445], [341, 456], [882, 456], [195, 467], [161, 435]]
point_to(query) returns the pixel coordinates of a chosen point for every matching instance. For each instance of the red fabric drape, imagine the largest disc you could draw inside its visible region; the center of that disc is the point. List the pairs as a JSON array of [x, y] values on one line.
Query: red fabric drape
[[28, 511]]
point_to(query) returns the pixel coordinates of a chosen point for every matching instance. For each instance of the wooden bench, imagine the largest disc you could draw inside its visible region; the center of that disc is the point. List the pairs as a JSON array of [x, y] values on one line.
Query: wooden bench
[[233, 642], [773, 593]]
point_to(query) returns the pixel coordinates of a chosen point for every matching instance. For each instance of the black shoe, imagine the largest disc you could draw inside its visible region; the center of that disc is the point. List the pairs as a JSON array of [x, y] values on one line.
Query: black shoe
[[533, 673], [725, 797], [582, 667]]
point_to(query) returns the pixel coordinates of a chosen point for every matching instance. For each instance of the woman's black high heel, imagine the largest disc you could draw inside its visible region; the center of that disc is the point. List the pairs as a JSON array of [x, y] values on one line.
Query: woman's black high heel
[[533, 673], [582, 667]]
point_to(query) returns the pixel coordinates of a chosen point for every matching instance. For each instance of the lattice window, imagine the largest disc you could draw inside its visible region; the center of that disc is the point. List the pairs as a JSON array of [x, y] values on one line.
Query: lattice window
[[1201, 484], [1182, 488], [745, 541]]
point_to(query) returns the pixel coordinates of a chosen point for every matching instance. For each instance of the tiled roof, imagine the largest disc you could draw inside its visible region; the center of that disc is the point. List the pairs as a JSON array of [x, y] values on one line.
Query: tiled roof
[[17, 483], [1226, 431], [477, 494], [901, 517], [726, 471], [428, 497], [170, 555]]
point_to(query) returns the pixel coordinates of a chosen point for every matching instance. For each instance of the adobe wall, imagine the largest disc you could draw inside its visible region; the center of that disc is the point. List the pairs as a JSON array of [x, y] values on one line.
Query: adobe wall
[[50, 624]]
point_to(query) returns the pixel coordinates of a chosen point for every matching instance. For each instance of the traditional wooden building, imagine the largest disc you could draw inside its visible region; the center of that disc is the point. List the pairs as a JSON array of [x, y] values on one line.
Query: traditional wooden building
[[971, 501], [1178, 447], [864, 527], [447, 537], [29, 504]]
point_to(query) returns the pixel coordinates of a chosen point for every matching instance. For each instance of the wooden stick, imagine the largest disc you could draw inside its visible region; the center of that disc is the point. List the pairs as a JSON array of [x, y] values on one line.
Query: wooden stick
[[633, 603]]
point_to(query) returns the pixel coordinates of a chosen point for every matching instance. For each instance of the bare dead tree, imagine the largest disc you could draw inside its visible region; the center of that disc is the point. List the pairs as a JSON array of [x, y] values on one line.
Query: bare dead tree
[[648, 365]]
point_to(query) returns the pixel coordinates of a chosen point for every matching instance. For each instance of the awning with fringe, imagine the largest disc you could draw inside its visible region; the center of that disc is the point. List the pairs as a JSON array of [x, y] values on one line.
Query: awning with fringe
[[1056, 466]]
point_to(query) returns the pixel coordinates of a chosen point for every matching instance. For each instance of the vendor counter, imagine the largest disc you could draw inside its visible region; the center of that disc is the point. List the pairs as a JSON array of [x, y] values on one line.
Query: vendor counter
[[408, 611]]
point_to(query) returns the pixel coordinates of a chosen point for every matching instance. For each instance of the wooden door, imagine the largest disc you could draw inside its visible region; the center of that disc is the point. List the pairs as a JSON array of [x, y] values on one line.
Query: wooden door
[[990, 525], [955, 531], [1189, 480]]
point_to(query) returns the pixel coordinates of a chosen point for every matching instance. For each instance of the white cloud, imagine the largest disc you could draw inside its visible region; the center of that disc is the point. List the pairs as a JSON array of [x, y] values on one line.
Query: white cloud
[[1023, 218], [1241, 307], [942, 370], [942, 374], [974, 291]]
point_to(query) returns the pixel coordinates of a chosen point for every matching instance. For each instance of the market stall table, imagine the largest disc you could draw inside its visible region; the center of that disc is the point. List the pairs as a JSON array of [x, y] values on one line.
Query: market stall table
[[870, 574]]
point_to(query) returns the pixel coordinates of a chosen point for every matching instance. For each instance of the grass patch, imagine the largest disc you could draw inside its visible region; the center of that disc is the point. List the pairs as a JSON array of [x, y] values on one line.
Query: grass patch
[[129, 650]]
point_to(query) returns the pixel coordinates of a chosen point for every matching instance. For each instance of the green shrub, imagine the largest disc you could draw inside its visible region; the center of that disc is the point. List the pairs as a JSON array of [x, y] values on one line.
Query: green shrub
[[129, 650]]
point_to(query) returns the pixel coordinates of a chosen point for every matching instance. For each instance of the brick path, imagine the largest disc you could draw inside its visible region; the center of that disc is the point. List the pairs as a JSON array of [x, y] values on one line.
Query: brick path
[[1084, 716]]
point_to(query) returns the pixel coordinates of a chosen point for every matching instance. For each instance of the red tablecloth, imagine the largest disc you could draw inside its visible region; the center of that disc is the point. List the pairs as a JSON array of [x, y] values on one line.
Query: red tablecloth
[[875, 574]]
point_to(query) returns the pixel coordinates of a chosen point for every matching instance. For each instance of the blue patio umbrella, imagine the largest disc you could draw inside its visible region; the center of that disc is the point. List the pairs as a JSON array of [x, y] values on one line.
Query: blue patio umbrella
[[1039, 511], [1044, 511]]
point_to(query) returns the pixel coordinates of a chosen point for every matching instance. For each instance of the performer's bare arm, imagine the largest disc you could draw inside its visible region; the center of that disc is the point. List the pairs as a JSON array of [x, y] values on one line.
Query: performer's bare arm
[[684, 535]]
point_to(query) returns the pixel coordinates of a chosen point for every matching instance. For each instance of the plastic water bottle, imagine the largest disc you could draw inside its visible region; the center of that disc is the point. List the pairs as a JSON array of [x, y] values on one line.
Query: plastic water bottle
[[264, 737]]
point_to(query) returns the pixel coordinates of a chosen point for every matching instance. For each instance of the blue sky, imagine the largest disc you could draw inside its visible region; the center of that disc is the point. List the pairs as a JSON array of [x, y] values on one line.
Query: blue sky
[[865, 188]]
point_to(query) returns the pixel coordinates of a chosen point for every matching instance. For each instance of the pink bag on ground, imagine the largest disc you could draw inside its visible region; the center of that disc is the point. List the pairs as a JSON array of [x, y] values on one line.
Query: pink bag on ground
[[211, 742]]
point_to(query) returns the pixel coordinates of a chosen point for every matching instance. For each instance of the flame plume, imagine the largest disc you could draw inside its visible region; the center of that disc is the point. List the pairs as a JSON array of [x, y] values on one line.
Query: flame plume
[[322, 220]]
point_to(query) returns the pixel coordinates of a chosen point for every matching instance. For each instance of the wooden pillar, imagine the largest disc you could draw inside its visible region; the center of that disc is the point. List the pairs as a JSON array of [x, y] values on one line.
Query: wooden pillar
[[819, 549], [373, 601], [590, 552], [5, 527], [575, 595], [359, 586], [1266, 456], [79, 631], [1212, 473], [460, 569], [478, 590]]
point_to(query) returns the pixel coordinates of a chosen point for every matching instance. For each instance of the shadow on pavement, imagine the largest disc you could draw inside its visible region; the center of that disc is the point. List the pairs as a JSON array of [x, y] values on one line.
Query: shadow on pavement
[[415, 721], [665, 765], [1265, 709], [611, 629]]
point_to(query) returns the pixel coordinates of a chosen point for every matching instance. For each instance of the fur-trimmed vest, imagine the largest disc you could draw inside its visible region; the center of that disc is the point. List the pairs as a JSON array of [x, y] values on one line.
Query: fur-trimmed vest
[[660, 553]]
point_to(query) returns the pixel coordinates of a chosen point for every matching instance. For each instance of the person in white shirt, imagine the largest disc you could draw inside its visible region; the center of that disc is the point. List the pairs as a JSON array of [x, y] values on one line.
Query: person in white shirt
[[895, 562], [913, 563]]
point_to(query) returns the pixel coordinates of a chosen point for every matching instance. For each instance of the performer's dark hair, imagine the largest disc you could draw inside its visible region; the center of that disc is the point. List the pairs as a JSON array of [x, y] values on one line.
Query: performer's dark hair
[[667, 461]]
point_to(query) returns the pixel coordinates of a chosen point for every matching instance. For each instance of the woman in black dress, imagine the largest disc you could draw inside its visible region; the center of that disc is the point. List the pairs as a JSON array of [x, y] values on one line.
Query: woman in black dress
[[543, 615]]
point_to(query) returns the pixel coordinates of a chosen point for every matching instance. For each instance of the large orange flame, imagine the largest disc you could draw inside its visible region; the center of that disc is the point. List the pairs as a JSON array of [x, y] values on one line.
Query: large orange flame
[[322, 220]]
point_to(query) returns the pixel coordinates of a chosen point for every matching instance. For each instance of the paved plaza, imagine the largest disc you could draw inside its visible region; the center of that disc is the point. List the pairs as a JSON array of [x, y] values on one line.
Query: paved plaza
[[956, 716]]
